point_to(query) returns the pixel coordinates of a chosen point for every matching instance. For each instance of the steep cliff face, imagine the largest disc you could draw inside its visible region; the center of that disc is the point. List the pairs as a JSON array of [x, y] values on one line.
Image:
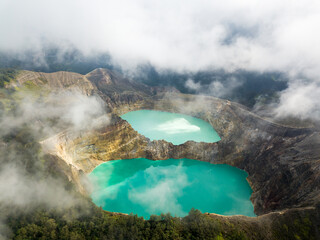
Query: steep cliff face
[[120, 141], [282, 162], [116, 90]]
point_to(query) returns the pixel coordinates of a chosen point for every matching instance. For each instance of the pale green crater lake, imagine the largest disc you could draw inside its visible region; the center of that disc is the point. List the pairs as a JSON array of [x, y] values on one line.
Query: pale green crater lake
[[145, 187], [172, 127]]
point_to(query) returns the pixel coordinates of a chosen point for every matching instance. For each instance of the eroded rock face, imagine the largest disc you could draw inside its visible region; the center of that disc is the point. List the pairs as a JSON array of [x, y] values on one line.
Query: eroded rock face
[[120, 141], [282, 162]]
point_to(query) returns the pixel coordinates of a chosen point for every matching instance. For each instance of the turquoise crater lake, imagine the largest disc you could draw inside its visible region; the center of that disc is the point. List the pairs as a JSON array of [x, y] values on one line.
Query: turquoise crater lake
[[172, 127], [145, 187]]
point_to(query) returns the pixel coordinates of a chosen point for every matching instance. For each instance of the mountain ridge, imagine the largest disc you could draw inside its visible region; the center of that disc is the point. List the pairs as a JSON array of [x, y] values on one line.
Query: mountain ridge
[[282, 162]]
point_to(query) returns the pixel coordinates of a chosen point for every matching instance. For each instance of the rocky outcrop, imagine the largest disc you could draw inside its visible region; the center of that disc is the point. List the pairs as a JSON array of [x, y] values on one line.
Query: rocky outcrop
[[116, 90]]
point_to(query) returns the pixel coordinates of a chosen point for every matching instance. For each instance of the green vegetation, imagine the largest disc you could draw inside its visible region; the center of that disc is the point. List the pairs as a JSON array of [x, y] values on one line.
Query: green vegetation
[[44, 224], [6, 75], [31, 89], [298, 227]]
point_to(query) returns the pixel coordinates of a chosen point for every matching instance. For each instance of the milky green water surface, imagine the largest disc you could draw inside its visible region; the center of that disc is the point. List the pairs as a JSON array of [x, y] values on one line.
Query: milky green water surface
[[145, 187], [172, 127]]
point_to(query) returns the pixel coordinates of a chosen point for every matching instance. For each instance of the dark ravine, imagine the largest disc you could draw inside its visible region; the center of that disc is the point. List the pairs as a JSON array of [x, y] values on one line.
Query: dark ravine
[[283, 162]]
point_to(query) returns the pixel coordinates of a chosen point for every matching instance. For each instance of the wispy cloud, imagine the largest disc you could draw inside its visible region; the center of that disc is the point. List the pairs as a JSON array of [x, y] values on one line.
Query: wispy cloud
[[301, 100], [195, 35], [54, 112], [161, 195], [19, 189], [222, 87]]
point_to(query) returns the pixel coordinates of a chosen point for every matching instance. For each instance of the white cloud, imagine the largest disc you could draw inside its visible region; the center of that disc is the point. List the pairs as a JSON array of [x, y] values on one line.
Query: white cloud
[[192, 85], [161, 195], [301, 100], [170, 34], [178, 125]]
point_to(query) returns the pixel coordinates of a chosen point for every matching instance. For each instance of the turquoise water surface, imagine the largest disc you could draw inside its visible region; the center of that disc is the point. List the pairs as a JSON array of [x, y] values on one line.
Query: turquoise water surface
[[145, 187], [172, 127]]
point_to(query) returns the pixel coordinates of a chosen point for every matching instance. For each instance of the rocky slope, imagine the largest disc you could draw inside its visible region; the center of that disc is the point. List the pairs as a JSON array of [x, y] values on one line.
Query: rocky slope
[[283, 163], [56, 81]]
